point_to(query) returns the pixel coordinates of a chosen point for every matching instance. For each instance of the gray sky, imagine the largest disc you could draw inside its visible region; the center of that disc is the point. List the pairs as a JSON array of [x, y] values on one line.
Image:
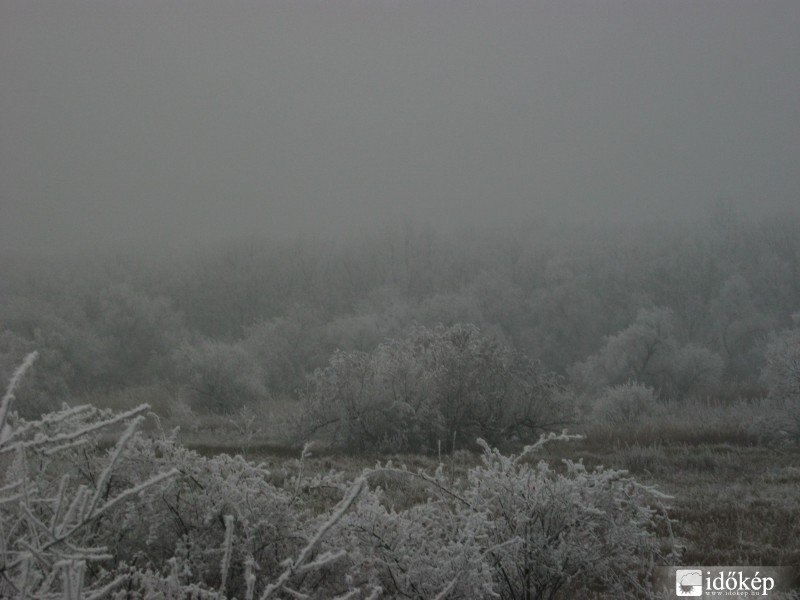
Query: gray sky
[[160, 120]]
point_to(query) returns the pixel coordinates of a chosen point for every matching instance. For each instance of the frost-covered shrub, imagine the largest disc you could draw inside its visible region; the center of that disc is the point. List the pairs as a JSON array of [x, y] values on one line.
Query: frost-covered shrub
[[431, 388], [782, 364], [625, 404], [150, 519], [432, 548], [185, 521], [50, 512], [222, 523], [555, 535], [514, 530], [781, 373]]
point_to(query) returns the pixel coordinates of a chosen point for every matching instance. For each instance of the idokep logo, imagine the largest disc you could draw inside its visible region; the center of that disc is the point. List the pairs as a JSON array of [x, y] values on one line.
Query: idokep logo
[[728, 582], [689, 582]]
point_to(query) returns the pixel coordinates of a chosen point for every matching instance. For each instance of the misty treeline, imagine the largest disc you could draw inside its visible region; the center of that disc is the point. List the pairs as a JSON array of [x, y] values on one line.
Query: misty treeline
[[680, 310]]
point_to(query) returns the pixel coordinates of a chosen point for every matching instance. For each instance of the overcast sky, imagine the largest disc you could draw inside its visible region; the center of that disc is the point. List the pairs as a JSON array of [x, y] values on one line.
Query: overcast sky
[[157, 120]]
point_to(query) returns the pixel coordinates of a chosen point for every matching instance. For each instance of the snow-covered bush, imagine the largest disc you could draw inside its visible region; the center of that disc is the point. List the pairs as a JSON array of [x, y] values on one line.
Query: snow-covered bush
[[431, 388], [782, 364], [49, 511], [187, 518], [148, 518], [625, 404], [430, 550], [558, 534], [781, 373], [514, 529]]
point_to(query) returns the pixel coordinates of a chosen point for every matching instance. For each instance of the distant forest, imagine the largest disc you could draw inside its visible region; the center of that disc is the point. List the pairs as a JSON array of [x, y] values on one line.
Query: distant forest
[[687, 310]]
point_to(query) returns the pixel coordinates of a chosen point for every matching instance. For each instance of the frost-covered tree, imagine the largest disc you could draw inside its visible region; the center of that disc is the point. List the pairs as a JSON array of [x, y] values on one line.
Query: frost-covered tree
[[72, 357], [435, 387], [139, 332], [694, 370], [782, 364], [286, 348], [648, 352], [221, 376], [741, 326], [781, 373], [640, 352]]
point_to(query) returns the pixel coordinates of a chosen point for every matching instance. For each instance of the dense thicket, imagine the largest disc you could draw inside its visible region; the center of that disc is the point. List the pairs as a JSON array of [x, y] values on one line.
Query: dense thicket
[[685, 309]]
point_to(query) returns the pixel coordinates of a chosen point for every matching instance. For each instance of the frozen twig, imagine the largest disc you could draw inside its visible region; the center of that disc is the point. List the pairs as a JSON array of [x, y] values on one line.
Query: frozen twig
[[8, 397], [293, 566], [227, 550]]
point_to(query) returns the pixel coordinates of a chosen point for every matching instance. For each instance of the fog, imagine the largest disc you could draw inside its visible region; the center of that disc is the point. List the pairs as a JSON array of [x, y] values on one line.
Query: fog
[[251, 248], [164, 123]]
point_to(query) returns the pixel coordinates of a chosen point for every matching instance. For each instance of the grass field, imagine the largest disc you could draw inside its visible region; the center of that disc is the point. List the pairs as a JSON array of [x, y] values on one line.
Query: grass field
[[735, 502]]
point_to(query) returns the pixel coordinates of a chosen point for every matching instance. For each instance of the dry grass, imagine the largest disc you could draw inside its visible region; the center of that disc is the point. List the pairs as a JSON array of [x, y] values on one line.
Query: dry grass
[[733, 504], [736, 492]]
